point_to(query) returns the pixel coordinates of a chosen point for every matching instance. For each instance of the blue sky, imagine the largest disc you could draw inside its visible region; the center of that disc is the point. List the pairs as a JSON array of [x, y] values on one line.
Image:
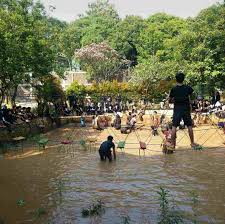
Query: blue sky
[[68, 10]]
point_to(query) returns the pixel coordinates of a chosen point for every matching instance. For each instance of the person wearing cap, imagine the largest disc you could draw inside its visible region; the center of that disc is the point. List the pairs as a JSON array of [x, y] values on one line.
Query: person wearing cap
[[105, 149]]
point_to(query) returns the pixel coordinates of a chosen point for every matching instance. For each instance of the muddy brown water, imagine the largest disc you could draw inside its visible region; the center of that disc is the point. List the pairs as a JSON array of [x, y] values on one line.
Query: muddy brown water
[[64, 183]]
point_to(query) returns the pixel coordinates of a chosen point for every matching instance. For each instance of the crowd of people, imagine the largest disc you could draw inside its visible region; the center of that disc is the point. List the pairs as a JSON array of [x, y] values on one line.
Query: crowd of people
[[203, 108], [108, 105], [208, 105], [16, 115], [105, 105], [200, 107]]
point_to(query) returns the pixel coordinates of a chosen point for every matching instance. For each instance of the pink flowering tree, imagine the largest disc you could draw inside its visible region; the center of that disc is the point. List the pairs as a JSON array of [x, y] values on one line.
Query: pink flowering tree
[[101, 62]]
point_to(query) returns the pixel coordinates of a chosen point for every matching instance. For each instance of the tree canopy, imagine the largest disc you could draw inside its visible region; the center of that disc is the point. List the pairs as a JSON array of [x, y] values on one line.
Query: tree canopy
[[33, 45], [101, 61], [27, 43], [194, 45]]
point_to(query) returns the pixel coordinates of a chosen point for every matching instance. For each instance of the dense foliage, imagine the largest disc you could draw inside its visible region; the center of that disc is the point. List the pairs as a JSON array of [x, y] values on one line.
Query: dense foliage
[[27, 41], [158, 46], [151, 50], [126, 90], [101, 61], [50, 93]]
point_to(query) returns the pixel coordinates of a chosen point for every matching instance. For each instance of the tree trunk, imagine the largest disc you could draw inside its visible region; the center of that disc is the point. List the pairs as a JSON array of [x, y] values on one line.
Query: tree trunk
[[2, 97], [14, 95]]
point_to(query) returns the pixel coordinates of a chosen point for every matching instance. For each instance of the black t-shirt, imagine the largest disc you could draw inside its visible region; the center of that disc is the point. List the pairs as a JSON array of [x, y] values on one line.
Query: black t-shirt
[[181, 95], [106, 146]]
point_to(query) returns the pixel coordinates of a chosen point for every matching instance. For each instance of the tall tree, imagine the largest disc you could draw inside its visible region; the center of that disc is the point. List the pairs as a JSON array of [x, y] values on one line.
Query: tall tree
[[126, 36], [101, 61], [102, 18], [95, 26], [25, 44], [201, 45], [154, 76], [160, 27]]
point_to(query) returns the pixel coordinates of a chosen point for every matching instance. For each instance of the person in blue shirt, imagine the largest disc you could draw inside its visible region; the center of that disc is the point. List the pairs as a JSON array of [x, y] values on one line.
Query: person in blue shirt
[[105, 149], [82, 121]]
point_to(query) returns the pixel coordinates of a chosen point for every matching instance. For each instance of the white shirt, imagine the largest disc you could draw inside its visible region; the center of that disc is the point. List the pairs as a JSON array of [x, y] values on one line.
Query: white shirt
[[133, 121], [218, 104]]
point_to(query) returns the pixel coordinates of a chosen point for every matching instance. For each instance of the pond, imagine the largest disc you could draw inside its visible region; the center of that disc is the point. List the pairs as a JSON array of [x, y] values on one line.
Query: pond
[[54, 187]]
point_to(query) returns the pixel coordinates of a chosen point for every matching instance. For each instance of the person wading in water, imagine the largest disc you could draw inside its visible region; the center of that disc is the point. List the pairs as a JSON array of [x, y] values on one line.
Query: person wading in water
[[105, 149]]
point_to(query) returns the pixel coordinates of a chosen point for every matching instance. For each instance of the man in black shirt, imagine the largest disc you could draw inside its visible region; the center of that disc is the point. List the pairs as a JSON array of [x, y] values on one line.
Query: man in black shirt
[[180, 96], [105, 149]]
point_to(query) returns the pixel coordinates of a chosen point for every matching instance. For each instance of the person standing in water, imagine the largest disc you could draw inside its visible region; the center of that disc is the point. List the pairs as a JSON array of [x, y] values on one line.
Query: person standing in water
[[105, 149], [180, 96]]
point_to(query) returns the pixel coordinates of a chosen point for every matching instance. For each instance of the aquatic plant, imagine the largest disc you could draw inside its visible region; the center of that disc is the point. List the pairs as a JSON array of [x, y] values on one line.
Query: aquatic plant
[[96, 209], [57, 195], [39, 212], [126, 219], [60, 187], [163, 199], [194, 197], [85, 212], [168, 215], [195, 200], [21, 202], [83, 144]]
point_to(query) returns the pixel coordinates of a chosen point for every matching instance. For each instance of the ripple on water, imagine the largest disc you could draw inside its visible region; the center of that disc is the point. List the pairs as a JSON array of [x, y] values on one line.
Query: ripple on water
[[66, 184]]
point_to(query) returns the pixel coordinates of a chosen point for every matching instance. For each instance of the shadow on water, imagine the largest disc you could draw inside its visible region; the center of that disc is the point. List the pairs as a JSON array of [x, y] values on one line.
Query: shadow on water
[[55, 186]]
